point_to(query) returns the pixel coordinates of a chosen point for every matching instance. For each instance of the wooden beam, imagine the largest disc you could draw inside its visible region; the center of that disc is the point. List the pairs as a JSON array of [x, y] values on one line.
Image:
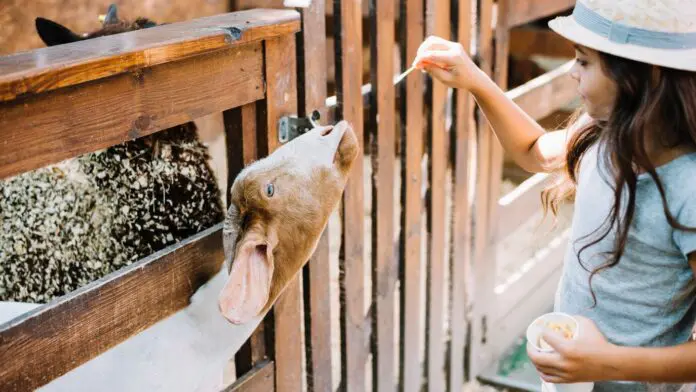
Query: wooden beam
[[55, 67], [505, 330], [437, 23], [482, 268], [518, 206], [312, 75], [241, 134], [281, 101], [529, 275], [384, 262], [460, 259], [45, 343], [525, 11], [354, 338], [412, 112], [529, 41], [259, 379], [38, 130]]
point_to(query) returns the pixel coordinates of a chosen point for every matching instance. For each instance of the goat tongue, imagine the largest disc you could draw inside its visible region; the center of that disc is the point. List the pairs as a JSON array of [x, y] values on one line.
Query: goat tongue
[[248, 285]]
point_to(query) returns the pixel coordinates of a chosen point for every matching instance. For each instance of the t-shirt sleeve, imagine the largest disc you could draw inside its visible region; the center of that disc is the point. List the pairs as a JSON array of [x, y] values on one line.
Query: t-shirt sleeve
[[686, 240]]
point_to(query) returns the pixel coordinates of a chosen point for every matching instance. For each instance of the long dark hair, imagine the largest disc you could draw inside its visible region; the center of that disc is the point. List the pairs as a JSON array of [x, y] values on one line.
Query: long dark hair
[[649, 99]]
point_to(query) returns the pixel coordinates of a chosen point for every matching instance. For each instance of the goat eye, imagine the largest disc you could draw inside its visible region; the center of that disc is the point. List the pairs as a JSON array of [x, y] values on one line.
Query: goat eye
[[270, 190]]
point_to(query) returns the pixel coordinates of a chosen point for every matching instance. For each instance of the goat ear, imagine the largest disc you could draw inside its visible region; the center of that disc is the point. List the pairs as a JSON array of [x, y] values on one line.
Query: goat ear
[[53, 33], [248, 285], [111, 15]]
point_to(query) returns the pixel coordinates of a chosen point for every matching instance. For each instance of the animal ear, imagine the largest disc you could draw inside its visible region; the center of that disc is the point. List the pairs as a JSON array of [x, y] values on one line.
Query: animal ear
[[248, 285], [111, 15], [53, 33]]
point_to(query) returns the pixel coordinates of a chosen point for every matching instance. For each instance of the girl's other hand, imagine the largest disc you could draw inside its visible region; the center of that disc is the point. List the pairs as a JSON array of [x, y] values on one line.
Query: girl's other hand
[[449, 63], [578, 360]]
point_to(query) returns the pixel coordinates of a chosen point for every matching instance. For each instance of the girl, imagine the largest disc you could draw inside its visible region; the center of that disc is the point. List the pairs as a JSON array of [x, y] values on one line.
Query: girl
[[630, 164]]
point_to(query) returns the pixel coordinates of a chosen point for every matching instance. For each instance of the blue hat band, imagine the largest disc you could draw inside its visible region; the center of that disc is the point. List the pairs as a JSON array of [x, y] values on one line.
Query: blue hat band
[[623, 34]]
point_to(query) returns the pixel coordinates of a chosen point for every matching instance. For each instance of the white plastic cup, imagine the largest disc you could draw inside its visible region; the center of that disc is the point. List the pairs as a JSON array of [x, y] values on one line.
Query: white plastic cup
[[534, 331]]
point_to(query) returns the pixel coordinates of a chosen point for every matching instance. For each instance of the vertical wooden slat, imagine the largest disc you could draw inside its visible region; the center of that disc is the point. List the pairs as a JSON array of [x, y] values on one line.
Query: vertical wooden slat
[[241, 135], [312, 96], [482, 266], [500, 75], [461, 234], [411, 331], [439, 14], [281, 99], [384, 267], [354, 348]]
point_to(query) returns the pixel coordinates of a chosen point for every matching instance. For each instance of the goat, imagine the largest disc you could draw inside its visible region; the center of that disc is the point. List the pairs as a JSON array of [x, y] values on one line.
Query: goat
[[74, 222], [280, 206]]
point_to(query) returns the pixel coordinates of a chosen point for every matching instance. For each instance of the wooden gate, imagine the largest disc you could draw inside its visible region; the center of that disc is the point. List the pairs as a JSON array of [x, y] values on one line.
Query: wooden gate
[[402, 291], [63, 101]]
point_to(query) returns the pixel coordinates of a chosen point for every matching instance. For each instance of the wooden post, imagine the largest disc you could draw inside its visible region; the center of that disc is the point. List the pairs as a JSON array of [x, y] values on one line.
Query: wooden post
[[312, 96], [438, 24], [241, 140], [483, 199], [281, 100], [411, 330], [354, 347], [461, 214], [384, 266]]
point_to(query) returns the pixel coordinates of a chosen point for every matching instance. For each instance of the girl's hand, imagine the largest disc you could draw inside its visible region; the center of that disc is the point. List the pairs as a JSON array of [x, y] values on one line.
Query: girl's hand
[[578, 360], [449, 63]]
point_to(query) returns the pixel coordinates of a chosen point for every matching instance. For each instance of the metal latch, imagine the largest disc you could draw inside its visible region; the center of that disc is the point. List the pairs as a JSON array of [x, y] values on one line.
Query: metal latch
[[290, 127]]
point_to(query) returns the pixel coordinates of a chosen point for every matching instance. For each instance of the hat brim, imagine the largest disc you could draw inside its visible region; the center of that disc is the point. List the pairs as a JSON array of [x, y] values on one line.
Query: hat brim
[[683, 59]]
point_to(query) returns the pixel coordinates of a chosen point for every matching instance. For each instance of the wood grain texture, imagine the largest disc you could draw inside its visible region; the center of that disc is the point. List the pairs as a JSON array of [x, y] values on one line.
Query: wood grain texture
[[281, 100], [525, 11], [47, 128], [500, 76], [481, 267], [384, 257], [54, 67], [528, 41], [412, 112], [438, 23], [461, 216], [354, 338], [260, 379], [312, 75], [241, 133], [240, 140], [48, 342], [17, 31]]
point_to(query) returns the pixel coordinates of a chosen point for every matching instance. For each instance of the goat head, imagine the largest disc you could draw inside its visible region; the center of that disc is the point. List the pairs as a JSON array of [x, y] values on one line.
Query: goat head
[[279, 207]]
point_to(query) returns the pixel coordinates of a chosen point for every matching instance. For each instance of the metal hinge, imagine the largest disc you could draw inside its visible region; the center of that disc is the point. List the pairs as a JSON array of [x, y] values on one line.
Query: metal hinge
[[290, 127]]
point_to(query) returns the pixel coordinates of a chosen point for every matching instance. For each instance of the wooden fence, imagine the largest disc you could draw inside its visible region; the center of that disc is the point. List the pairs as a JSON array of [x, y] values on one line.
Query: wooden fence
[[417, 304]]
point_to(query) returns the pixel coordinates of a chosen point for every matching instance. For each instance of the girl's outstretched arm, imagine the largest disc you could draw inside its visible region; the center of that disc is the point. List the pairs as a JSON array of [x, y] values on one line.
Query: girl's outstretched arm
[[524, 139]]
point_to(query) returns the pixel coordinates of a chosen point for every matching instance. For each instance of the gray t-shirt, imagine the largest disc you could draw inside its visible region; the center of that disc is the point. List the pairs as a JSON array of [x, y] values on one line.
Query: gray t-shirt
[[649, 298]]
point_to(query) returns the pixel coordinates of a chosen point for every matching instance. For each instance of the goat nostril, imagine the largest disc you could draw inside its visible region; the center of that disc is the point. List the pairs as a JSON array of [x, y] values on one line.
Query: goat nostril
[[327, 131]]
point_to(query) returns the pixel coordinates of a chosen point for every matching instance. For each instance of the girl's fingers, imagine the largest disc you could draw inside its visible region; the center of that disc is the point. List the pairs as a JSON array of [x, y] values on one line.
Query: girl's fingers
[[553, 379], [438, 73], [546, 360], [550, 370], [442, 59]]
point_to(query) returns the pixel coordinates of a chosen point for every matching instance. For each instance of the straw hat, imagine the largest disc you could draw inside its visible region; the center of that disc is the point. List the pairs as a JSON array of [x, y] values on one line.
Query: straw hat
[[660, 32]]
